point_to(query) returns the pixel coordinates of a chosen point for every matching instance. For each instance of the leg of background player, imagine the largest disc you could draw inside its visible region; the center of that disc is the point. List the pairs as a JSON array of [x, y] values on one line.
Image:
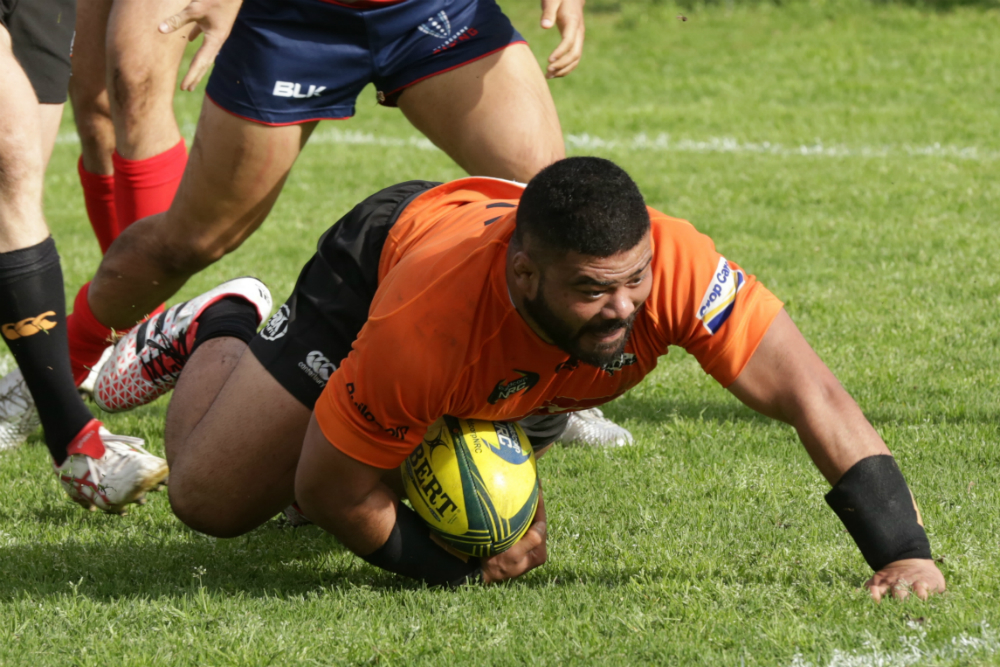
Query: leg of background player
[[236, 171], [233, 438], [494, 116], [141, 79], [92, 112], [32, 302]]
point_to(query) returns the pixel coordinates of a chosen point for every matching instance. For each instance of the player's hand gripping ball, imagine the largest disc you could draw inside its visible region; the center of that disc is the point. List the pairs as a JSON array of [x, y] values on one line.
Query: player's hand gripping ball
[[475, 483]]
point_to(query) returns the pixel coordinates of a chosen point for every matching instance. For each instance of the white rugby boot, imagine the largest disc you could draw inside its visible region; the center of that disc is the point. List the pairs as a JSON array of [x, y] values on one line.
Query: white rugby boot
[[18, 416], [108, 471], [147, 361], [591, 427], [86, 387]]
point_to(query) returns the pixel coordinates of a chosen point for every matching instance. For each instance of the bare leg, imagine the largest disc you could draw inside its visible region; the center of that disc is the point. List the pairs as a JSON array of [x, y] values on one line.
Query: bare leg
[[22, 156], [234, 175], [494, 117], [233, 441], [49, 117], [87, 90], [142, 76], [31, 281]]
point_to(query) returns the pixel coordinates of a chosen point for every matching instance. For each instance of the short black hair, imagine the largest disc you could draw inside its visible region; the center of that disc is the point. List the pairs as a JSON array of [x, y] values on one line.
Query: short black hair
[[585, 204]]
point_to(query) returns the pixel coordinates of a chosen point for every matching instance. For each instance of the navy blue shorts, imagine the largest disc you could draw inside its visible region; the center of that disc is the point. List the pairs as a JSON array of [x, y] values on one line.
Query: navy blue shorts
[[293, 61]]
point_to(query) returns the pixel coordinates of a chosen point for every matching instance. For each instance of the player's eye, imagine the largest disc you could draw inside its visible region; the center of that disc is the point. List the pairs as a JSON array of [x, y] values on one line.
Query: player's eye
[[635, 282]]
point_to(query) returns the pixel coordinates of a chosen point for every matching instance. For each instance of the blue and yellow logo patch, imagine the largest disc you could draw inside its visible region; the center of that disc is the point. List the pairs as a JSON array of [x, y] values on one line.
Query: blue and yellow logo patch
[[720, 297]]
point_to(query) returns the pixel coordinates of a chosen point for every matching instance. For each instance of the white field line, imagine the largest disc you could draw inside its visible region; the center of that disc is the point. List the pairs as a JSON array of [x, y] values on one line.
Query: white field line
[[963, 648], [663, 143]]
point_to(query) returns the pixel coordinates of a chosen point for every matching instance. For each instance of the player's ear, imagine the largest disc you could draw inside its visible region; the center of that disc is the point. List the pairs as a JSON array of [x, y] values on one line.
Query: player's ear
[[526, 272]]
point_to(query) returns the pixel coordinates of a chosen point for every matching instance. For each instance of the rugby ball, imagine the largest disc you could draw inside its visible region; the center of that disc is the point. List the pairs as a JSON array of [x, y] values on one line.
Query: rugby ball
[[474, 482]]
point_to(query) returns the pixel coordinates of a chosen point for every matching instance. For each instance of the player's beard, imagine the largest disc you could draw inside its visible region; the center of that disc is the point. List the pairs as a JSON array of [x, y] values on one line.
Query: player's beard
[[568, 339]]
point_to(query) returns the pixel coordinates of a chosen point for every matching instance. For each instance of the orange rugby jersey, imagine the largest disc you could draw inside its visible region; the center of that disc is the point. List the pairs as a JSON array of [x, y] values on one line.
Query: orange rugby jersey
[[443, 338]]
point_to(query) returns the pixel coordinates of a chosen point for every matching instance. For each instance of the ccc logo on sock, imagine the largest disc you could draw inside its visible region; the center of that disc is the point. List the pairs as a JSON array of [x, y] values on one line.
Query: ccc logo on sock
[[29, 326]]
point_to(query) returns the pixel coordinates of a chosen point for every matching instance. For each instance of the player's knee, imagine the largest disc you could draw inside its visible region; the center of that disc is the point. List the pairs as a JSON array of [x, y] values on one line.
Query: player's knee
[[188, 256], [207, 515], [132, 91], [536, 156]]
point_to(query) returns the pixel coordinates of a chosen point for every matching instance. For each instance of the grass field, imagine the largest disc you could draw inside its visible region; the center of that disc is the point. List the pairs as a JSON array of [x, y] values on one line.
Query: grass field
[[846, 153]]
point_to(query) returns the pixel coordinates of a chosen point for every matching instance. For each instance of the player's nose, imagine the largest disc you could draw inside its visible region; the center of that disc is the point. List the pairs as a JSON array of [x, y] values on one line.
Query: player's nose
[[619, 306]]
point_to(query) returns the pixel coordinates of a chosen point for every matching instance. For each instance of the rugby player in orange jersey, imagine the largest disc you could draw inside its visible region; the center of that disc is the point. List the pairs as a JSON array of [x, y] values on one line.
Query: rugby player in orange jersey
[[482, 299]]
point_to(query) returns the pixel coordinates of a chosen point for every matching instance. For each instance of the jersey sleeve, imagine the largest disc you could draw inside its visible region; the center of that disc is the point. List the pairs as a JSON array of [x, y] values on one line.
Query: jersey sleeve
[[707, 304], [377, 406]]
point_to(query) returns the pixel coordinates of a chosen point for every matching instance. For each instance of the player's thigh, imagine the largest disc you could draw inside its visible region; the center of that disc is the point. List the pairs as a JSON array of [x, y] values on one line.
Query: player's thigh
[[142, 75], [49, 116], [236, 468], [21, 159], [88, 80], [494, 116], [234, 175], [87, 90]]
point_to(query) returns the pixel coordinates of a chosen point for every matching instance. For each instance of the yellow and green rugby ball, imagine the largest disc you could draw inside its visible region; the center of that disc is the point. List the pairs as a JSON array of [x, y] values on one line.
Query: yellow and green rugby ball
[[474, 482]]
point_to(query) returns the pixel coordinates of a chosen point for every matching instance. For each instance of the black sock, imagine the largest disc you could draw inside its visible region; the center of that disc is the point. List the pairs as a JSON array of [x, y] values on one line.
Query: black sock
[[232, 316], [33, 319]]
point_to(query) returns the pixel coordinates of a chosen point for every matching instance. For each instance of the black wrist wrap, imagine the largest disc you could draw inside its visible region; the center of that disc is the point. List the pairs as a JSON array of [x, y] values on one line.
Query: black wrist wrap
[[411, 552], [875, 505]]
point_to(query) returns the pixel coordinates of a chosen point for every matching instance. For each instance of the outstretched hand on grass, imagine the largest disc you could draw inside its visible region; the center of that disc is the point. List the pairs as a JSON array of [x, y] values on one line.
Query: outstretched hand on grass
[[911, 575], [568, 15], [214, 19], [527, 553]]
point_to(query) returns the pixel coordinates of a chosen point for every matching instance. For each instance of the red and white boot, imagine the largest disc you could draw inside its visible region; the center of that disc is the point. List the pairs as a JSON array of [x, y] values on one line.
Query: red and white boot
[[147, 361], [108, 471]]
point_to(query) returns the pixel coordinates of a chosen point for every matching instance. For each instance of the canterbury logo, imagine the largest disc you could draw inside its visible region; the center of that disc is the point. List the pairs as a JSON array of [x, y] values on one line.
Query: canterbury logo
[[29, 326]]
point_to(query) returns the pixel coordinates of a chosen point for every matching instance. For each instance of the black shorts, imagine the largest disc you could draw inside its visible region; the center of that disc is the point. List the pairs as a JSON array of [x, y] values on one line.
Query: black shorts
[[309, 336], [41, 32]]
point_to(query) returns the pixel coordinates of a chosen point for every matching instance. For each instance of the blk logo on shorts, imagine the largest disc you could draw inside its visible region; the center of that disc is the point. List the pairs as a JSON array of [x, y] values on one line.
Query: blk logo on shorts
[[318, 367], [277, 326], [291, 89], [29, 326]]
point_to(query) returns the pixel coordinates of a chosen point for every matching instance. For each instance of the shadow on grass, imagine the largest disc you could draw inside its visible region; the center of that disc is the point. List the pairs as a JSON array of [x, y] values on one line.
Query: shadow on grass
[[277, 561]]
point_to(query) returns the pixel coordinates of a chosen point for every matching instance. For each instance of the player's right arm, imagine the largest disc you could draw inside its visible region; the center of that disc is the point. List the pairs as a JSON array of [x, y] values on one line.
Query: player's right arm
[[349, 499]]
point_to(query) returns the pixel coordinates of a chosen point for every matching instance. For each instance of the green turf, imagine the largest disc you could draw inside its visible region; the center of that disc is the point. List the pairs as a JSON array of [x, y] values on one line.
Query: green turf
[[803, 139]]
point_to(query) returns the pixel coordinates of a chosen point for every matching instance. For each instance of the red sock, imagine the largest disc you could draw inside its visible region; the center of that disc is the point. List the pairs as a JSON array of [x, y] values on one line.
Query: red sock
[[87, 337], [99, 198], [146, 187], [88, 441]]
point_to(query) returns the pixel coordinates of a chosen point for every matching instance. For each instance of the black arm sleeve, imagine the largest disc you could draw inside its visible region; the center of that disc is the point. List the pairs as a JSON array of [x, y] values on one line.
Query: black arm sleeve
[[411, 552], [875, 505]]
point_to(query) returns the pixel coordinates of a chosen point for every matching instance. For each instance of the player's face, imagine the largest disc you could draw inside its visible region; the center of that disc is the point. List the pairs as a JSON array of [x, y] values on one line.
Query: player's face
[[587, 305]]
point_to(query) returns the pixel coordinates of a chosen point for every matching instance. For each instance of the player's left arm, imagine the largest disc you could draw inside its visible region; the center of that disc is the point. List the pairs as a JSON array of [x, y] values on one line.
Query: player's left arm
[[568, 15], [351, 500], [786, 380]]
